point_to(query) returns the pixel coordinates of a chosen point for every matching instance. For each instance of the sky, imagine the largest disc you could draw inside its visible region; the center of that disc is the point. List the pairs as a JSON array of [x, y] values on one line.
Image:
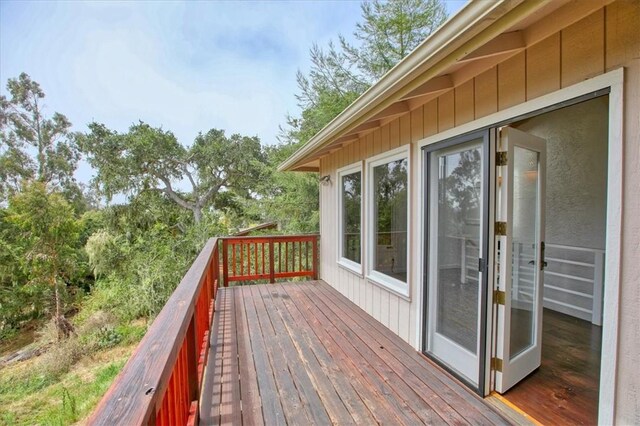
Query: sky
[[185, 66]]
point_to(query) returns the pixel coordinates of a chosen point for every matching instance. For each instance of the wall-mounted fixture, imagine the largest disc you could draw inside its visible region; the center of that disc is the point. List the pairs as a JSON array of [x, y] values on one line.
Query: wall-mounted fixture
[[325, 180]]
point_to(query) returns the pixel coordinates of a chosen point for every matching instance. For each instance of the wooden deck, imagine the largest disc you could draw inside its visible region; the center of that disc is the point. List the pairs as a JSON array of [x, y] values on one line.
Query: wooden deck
[[301, 353]]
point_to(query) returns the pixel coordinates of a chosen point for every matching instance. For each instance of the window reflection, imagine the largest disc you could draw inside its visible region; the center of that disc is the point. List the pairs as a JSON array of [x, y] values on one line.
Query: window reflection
[[351, 199], [390, 219]]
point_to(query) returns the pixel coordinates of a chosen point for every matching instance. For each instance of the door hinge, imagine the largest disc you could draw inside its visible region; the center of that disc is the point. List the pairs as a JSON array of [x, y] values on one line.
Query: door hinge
[[501, 158], [481, 265], [496, 364], [499, 297], [500, 228]]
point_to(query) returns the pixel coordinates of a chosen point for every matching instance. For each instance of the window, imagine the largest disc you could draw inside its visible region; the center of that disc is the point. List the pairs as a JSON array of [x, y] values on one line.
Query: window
[[388, 220], [350, 217]]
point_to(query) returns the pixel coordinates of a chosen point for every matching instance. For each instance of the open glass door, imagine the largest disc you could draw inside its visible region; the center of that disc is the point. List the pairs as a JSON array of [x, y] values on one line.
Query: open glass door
[[519, 256], [456, 213]]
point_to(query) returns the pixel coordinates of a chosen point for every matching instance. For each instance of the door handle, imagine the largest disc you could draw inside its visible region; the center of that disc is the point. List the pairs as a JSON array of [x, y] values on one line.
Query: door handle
[[543, 263]]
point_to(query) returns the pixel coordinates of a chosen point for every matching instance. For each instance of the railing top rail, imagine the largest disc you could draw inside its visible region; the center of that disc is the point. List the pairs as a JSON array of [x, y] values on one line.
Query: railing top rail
[[270, 237], [133, 396]]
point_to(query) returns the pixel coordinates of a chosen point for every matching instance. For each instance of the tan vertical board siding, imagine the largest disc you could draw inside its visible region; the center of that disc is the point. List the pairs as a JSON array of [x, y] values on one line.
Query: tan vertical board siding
[[430, 118], [464, 99], [623, 48], [583, 49], [543, 67], [385, 132], [446, 111], [622, 33], [416, 120], [377, 139], [394, 133], [511, 81], [486, 93], [405, 129]]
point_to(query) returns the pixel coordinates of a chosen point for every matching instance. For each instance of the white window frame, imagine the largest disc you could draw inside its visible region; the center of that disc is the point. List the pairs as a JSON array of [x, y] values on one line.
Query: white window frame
[[389, 283], [349, 264]]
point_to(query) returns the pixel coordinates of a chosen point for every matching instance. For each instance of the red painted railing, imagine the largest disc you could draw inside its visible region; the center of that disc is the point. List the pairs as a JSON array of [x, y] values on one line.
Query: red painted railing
[[269, 257], [161, 382]]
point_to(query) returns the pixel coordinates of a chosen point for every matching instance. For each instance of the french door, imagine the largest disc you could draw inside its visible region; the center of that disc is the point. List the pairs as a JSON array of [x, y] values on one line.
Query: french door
[[519, 255], [456, 212]]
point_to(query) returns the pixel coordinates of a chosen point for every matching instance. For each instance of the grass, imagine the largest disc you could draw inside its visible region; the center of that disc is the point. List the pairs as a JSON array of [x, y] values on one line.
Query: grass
[[28, 396]]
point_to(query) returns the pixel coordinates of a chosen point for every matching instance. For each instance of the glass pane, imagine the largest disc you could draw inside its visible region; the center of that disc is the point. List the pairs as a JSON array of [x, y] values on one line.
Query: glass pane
[[390, 219], [351, 198], [457, 195], [525, 268]]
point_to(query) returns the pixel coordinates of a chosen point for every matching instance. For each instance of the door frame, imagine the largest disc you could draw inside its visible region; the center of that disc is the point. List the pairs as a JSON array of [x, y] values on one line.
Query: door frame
[[611, 83], [485, 284]]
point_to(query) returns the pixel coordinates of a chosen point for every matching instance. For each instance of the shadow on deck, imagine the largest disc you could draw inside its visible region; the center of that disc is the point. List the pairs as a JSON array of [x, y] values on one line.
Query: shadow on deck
[[301, 353]]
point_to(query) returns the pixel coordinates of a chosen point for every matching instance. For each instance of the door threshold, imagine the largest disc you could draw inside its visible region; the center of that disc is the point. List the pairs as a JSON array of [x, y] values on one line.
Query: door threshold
[[512, 412]]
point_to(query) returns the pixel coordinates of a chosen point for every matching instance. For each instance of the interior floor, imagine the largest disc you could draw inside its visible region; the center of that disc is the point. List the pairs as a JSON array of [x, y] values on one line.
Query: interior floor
[[564, 390]]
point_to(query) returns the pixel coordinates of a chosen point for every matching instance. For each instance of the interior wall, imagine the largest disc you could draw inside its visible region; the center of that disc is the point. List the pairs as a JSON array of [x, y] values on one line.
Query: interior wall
[[576, 187]]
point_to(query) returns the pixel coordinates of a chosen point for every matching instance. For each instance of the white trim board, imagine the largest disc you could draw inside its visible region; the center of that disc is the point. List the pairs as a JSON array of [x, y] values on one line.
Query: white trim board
[[614, 80]]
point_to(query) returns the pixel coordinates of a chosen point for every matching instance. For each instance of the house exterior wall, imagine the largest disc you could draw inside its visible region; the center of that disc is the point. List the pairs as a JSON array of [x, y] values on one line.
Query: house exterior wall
[[603, 41]]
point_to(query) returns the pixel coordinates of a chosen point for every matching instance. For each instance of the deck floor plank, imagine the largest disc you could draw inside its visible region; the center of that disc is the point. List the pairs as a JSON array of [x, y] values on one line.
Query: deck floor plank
[[212, 390], [430, 397], [307, 391], [294, 409], [326, 406], [379, 406], [344, 384], [271, 407], [304, 354], [404, 400], [230, 409], [451, 393], [250, 394]]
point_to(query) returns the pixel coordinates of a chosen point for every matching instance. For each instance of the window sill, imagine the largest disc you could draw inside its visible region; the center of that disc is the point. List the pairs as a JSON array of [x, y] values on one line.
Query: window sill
[[351, 266], [392, 285]]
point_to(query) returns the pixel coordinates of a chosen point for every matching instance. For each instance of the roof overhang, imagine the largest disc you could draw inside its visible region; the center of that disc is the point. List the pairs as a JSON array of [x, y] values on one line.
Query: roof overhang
[[481, 35]]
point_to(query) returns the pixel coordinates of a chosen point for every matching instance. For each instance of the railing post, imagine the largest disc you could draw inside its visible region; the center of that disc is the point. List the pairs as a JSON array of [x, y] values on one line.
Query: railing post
[[225, 263], [315, 257], [272, 270]]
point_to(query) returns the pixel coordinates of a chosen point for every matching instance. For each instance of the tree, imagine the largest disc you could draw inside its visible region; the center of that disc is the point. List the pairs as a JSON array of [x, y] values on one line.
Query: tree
[[338, 75], [389, 32], [24, 129], [49, 232], [151, 159]]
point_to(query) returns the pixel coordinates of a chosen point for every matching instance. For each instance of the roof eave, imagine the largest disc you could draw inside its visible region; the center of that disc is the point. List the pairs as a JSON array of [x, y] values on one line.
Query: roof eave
[[438, 46]]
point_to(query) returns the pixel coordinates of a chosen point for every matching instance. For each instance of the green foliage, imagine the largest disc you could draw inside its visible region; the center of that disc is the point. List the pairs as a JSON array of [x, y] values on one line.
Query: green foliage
[[338, 75], [41, 234], [151, 159], [24, 128], [390, 31]]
